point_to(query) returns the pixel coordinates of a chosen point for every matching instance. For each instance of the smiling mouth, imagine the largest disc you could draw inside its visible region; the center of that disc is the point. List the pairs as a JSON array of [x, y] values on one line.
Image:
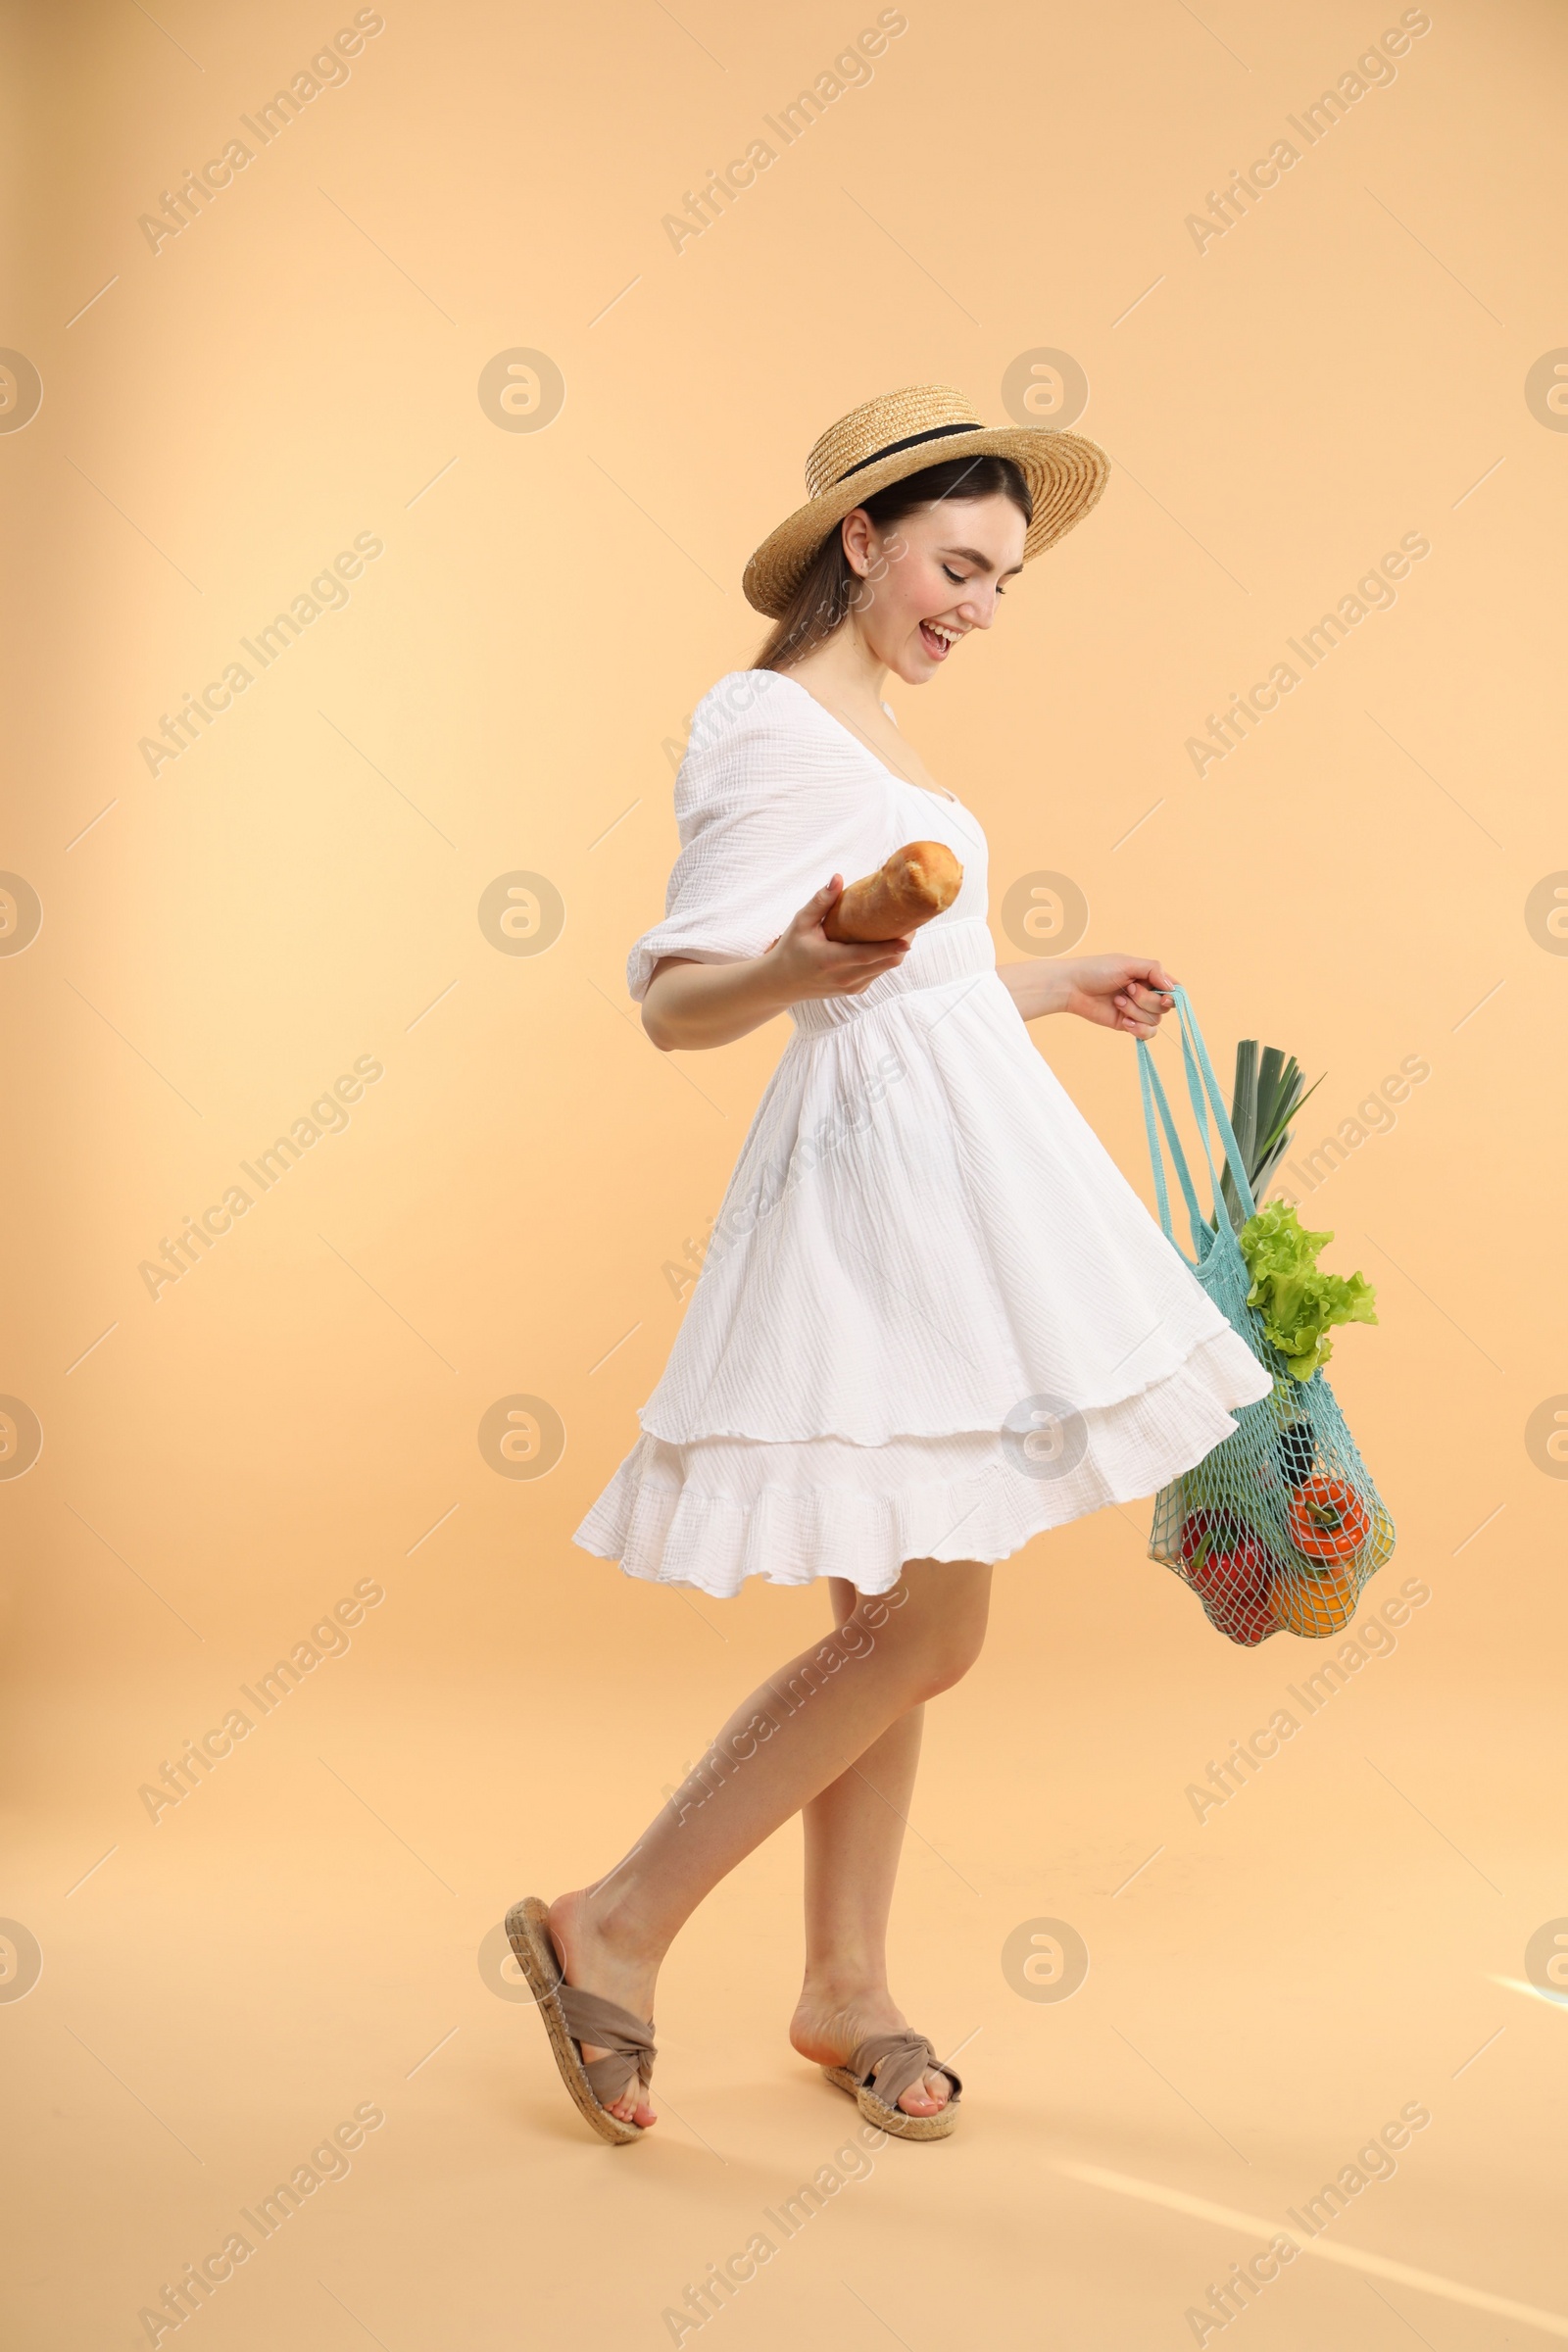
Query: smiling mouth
[[938, 639]]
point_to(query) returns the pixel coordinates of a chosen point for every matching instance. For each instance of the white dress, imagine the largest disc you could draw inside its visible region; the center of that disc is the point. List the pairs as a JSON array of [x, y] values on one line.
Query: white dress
[[934, 1317]]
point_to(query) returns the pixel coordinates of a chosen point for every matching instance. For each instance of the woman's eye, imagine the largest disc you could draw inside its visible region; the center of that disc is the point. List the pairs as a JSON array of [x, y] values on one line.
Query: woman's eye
[[956, 578]]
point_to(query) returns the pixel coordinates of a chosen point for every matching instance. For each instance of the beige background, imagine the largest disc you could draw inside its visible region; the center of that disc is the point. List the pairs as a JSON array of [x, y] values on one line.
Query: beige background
[[299, 889]]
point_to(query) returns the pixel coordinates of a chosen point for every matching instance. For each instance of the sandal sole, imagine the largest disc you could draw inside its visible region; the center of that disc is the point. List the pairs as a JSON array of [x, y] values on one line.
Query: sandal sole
[[893, 2119]]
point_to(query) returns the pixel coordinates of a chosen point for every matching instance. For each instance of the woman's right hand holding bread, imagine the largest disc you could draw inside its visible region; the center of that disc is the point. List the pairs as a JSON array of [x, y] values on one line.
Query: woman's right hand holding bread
[[811, 964], [689, 1004]]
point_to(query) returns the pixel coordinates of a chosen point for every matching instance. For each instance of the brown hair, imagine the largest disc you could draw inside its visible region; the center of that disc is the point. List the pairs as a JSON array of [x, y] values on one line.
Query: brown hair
[[829, 588]]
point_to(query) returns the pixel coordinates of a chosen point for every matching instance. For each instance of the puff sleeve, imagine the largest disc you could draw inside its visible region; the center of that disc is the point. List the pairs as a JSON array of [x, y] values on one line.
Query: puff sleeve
[[772, 799]]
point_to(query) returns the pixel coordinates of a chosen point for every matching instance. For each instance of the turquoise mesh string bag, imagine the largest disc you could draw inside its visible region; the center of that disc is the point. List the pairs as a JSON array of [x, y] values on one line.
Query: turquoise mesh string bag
[[1280, 1527]]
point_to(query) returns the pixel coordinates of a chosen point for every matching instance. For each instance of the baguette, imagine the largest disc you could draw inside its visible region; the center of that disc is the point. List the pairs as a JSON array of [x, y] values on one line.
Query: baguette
[[920, 881]]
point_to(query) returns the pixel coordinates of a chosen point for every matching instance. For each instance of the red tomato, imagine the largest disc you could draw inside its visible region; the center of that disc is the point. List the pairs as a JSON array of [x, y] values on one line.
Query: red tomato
[[1231, 1572], [1328, 1520]]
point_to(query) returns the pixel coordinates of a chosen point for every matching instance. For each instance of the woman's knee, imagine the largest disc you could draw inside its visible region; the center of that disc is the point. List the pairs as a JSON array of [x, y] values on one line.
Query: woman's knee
[[932, 1626], [947, 1657]]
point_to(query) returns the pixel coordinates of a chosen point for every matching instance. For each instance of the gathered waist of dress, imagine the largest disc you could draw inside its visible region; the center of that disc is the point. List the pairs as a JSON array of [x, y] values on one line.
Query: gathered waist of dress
[[948, 950]]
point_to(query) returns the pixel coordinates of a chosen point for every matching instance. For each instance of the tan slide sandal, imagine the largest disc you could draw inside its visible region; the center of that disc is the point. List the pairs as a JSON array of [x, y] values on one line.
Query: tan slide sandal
[[880, 2071], [572, 2018]]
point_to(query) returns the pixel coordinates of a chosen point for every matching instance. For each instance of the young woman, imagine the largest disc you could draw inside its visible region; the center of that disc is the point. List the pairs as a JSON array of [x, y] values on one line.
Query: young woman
[[933, 1318]]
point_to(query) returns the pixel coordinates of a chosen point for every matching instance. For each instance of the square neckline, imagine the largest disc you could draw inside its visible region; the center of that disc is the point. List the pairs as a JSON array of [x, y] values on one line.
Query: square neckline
[[932, 792]]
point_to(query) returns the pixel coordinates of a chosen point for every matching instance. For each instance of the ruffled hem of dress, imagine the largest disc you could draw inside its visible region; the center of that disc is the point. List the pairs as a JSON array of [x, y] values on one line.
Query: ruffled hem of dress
[[711, 1514], [1220, 1358]]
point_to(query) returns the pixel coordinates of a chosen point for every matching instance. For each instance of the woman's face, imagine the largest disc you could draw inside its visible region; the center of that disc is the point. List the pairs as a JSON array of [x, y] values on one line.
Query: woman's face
[[931, 578]]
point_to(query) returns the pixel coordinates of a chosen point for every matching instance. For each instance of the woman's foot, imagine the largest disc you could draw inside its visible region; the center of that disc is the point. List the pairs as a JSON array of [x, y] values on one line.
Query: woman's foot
[[827, 2026], [593, 1962]]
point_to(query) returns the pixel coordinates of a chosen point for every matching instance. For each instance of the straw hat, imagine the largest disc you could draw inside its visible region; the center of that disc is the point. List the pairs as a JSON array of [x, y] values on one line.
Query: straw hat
[[901, 433]]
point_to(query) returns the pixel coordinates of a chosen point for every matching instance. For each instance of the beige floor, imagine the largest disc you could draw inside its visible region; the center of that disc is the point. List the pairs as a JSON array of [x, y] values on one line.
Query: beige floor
[[299, 1938]]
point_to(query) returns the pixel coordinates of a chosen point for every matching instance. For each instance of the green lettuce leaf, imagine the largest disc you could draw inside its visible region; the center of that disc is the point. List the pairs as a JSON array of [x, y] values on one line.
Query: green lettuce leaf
[[1298, 1303]]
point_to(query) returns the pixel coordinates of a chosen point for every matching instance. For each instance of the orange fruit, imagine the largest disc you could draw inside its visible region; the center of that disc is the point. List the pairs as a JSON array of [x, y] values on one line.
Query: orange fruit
[[1316, 1601]]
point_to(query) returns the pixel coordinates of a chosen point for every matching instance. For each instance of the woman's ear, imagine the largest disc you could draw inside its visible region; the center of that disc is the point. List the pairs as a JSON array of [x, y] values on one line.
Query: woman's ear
[[858, 532]]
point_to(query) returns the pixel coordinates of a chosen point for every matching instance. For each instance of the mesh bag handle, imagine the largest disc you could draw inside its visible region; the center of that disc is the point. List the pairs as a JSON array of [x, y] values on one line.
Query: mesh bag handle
[[1201, 1081], [1193, 1042], [1154, 1093]]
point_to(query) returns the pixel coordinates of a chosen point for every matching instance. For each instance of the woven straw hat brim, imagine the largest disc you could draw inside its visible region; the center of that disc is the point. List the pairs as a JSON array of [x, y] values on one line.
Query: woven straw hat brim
[[1066, 474]]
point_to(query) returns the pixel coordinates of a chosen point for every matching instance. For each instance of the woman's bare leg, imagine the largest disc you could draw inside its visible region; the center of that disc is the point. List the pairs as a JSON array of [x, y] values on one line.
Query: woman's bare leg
[[788, 1742], [854, 1835]]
